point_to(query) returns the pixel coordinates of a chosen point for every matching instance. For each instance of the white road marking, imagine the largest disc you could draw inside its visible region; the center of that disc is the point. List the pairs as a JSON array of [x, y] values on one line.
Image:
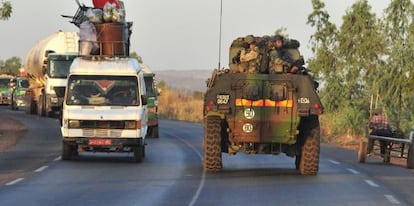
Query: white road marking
[[57, 158], [334, 162], [392, 199], [371, 183], [203, 176], [353, 171], [14, 181], [41, 168]]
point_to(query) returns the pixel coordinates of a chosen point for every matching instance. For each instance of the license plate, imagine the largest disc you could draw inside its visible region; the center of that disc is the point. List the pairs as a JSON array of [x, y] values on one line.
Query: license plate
[[100, 142]]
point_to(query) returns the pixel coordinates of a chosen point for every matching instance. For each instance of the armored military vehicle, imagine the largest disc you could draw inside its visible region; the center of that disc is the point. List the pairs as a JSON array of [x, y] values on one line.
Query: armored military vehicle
[[262, 112]]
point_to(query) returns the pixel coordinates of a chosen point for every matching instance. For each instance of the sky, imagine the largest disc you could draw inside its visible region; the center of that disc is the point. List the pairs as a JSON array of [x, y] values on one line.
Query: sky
[[176, 34]]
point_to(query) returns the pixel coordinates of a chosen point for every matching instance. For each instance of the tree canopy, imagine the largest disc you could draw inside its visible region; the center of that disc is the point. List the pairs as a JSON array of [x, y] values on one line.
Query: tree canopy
[[5, 10], [364, 64]]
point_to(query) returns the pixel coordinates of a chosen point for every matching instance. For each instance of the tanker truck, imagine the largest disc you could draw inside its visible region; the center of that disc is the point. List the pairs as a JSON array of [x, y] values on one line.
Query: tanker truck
[[47, 65]]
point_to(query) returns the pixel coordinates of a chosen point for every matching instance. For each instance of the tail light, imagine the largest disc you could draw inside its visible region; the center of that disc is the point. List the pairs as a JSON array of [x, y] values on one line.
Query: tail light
[[318, 109], [210, 105]]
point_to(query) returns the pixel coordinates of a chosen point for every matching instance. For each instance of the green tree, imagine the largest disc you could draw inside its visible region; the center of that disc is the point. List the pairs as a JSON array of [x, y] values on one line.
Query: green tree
[[323, 65], [11, 66], [5, 10], [282, 31], [136, 56], [360, 49], [162, 85], [396, 86]]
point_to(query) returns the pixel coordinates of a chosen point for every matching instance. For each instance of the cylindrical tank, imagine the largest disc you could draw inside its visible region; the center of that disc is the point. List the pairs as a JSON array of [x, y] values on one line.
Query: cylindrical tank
[[59, 42]]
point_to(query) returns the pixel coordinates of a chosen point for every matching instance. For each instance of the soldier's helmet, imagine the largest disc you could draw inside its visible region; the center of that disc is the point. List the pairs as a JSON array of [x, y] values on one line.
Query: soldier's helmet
[[249, 39], [278, 37]]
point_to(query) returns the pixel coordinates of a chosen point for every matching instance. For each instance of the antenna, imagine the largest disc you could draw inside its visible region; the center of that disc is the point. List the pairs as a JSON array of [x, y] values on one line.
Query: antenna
[[219, 49]]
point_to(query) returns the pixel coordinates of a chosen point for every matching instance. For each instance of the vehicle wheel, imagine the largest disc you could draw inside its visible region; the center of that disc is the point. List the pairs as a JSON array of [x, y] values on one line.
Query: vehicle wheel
[[12, 105], [362, 152], [50, 114], [149, 132], [154, 132], [32, 108], [212, 161], [387, 156], [139, 153], [67, 151], [410, 156], [309, 131], [41, 106]]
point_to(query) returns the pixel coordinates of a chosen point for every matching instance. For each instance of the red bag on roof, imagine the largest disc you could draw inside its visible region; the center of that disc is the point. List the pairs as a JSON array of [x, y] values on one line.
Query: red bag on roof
[[101, 3]]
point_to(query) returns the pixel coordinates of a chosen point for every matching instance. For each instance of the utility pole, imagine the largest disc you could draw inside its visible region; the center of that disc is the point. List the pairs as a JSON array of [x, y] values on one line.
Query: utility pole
[[219, 46]]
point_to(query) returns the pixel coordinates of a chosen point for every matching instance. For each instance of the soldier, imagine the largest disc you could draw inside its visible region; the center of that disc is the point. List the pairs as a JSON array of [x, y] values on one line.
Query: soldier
[[248, 56], [280, 60]]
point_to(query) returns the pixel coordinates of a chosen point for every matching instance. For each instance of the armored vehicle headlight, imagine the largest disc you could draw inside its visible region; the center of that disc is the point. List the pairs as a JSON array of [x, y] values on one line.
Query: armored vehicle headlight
[[74, 124], [249, 113]]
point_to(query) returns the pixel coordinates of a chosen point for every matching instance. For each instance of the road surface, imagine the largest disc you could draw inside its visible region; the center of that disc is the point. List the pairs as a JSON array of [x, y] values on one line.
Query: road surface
[[32, 173]]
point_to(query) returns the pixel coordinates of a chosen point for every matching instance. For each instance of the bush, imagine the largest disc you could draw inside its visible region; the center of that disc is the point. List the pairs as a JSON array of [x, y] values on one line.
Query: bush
[[181, 105]]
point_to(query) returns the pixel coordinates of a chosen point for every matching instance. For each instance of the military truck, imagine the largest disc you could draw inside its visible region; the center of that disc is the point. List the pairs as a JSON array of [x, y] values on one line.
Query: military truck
[[261, 113]]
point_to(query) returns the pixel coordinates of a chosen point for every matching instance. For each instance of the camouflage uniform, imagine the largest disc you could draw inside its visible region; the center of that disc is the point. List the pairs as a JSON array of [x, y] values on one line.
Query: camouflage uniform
[[282, 59], [249, 57], [276, 64]]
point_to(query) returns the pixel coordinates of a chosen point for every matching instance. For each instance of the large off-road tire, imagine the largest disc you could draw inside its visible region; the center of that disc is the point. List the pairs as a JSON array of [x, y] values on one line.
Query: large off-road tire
[[139, 153], [309, 131], [212, 161], [68, 150], [387, 156]]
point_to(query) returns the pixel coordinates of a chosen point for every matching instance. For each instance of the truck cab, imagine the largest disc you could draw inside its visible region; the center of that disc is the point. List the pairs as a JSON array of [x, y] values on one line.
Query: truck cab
[[104, 107], [56, 72], [152, 94], [18, 87], [5, 89]]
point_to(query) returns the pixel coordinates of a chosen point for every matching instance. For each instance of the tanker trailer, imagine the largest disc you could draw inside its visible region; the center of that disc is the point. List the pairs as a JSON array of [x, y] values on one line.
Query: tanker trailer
[[47, 66]]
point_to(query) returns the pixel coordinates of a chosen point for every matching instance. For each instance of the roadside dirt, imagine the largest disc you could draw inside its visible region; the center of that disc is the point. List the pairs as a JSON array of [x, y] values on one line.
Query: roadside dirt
[[11, 131]]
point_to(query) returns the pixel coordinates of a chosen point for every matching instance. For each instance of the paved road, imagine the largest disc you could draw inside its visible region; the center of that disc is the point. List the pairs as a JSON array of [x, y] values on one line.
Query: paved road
[[172, 174]]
